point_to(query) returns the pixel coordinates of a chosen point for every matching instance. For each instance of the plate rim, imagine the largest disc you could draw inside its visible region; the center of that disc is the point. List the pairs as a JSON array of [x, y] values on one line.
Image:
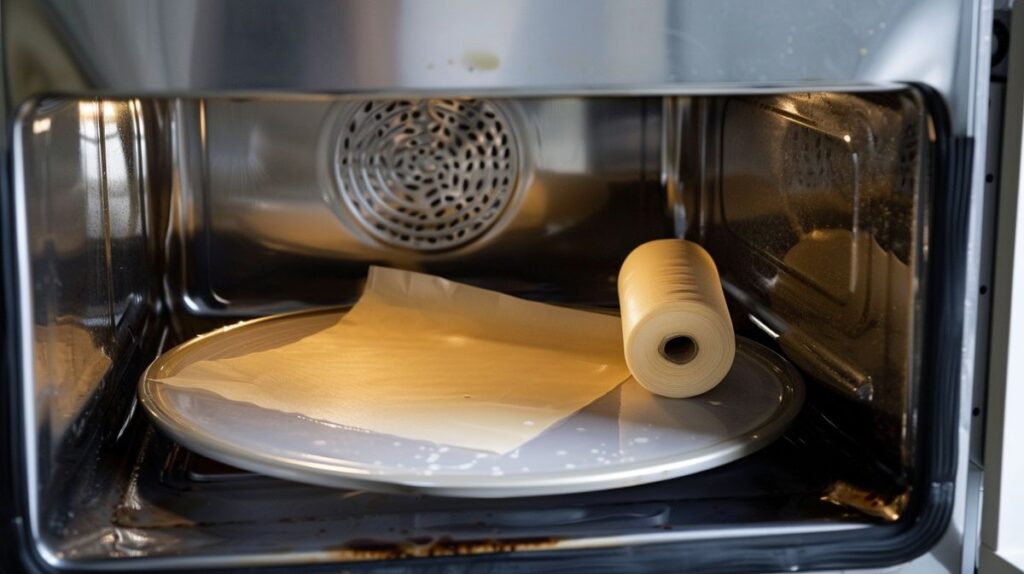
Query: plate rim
[[358, 476]]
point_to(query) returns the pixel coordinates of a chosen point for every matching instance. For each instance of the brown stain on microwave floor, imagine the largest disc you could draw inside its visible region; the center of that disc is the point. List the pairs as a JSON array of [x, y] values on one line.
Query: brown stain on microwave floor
[[367, 550]]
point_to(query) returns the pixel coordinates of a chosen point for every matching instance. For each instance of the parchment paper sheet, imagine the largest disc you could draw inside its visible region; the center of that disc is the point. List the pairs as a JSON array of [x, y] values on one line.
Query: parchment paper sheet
[[426, 358]]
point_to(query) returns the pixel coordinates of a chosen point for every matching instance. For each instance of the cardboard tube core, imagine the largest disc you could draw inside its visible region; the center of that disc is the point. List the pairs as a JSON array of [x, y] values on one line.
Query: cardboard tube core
[[679, 349]]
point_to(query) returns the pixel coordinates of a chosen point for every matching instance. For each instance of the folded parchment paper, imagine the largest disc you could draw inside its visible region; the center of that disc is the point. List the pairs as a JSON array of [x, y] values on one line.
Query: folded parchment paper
[[425, 358]]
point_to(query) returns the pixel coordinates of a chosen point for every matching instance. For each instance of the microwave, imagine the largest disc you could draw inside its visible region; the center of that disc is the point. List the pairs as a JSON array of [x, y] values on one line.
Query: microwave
[[175, 167]]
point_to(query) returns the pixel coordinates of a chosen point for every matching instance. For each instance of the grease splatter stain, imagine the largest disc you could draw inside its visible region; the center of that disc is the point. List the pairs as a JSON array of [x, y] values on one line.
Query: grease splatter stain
[[481, 60]]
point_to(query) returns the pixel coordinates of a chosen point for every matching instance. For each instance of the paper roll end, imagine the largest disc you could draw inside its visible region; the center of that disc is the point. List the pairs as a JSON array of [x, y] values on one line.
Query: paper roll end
[[679, 349]]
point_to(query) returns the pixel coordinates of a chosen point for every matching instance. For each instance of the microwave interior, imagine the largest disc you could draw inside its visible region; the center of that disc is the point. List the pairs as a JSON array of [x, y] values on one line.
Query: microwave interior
[[145, 222]]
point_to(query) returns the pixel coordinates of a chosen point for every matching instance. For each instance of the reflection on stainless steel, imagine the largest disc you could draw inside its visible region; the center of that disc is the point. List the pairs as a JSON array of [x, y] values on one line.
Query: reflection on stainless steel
[[848, 281], [888, 508], [70, 363], [815, 217], [83, 183]]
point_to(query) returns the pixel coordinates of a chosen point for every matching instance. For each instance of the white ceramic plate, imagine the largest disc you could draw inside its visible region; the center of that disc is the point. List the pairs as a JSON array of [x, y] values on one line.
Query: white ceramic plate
[[625, 438]]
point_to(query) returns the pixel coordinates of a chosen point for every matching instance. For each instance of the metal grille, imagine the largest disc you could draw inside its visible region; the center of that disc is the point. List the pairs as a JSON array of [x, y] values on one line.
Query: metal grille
[[425, 175]]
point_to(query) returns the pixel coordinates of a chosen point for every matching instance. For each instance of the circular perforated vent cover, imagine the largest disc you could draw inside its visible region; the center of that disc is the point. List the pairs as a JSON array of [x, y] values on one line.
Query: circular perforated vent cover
[[425, 175]]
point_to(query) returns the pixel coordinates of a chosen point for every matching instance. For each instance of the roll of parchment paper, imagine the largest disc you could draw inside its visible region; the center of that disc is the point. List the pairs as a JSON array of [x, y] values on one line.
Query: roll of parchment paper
[[676, 328]]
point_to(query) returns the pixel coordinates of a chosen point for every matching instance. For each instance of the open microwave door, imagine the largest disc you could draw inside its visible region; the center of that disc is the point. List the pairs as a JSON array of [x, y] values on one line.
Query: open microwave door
[[1002, 530]]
